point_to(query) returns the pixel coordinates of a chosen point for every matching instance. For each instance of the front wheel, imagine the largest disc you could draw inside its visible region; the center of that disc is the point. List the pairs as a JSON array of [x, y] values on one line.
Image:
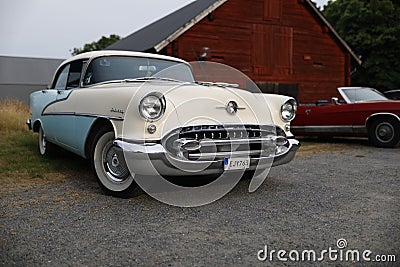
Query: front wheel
[[111, 170], [384, 132]]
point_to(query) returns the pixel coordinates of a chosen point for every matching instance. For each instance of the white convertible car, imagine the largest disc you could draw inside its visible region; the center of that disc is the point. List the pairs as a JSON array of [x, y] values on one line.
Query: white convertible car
[[112, 107]]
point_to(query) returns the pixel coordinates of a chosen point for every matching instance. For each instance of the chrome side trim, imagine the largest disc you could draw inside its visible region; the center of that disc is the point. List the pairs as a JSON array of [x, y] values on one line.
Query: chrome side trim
[[118, 118], [57, 100], [59, 113], [360, 129], [325, 129]]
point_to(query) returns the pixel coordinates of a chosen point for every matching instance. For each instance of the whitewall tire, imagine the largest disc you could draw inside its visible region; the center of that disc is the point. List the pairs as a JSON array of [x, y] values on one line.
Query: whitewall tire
[[111, 170], [45, 148]]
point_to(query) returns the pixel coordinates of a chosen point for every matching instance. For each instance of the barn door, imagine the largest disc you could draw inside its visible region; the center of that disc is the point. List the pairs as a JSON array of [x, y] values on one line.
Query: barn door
[[272, 50]]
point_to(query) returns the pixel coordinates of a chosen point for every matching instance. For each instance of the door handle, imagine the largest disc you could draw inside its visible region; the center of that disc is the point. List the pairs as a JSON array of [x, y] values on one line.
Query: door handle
[[308, 111]]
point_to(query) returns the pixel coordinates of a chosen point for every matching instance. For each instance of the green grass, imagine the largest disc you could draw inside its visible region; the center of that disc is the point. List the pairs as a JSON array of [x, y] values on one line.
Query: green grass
[[20, 161]]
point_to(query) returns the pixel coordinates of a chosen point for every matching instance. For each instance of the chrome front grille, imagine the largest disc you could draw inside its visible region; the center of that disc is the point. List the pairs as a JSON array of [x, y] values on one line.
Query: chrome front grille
[[215, 142], [220, 132]]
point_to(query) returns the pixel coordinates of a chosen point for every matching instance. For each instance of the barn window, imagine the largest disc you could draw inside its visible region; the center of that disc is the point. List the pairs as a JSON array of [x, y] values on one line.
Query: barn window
[[272, 50], [272, 9]]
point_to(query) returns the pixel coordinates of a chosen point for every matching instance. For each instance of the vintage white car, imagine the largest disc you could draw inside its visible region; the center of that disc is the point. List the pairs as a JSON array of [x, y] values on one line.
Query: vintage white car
[[114, 106]]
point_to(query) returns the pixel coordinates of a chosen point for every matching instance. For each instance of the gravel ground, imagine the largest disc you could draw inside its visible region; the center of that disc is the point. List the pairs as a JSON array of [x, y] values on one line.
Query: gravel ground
[[308, 204]]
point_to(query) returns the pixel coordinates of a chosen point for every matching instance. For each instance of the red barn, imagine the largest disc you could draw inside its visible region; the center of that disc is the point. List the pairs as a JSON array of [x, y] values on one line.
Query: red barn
[[285, 46]]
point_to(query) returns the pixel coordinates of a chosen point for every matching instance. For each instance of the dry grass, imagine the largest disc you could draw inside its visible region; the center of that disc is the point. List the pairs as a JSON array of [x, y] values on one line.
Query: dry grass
[[311, 146], [21, 165], [13, 115], [314, 148]]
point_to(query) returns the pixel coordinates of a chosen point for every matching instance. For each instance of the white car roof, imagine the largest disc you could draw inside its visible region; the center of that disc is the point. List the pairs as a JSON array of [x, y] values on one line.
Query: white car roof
[[121, 53]]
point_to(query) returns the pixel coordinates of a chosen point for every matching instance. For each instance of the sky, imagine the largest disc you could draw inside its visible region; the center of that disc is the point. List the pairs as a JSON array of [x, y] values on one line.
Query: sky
[[52, 28]]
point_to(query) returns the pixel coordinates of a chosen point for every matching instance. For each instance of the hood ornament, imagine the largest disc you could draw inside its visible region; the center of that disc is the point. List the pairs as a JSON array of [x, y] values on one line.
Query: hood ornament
[[231, 107]]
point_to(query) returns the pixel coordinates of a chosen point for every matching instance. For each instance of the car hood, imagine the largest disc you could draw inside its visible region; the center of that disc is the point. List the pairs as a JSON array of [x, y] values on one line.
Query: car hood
[[205, 105]]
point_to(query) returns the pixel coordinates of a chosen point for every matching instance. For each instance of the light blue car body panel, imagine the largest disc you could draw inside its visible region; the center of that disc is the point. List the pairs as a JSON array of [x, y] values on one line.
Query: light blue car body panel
[[66, 130]]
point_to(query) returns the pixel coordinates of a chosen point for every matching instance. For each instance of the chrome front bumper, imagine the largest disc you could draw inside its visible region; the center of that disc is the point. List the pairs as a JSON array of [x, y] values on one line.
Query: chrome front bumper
[[152, 158], [288, 155]]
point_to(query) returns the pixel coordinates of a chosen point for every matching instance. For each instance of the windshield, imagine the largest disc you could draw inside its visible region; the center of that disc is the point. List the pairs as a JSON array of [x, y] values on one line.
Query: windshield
[[113, 68], [352, 95]]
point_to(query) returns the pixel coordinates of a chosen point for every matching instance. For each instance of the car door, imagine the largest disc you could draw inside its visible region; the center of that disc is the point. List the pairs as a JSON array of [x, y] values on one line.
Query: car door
[[325, 118], [60, 123]]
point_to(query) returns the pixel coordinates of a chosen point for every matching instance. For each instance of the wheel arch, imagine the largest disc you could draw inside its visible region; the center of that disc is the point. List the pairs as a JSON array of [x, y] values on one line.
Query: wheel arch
[[36, 126], [380, 115], [98, 124]]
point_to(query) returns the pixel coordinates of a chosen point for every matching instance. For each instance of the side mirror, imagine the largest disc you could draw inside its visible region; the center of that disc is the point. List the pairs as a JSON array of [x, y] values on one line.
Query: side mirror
[[335, 100]]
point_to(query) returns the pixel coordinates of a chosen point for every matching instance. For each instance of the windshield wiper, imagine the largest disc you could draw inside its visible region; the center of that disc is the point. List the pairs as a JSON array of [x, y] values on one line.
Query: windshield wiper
[[152, 79], [141, 79]]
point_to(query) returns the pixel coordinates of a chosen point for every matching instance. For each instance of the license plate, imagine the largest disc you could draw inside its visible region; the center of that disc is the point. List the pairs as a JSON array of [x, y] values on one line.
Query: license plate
[[236, 164]]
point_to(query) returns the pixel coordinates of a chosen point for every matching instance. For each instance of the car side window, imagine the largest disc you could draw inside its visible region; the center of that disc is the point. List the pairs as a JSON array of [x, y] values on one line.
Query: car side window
[[70, 75], [62, 78], [75, 72]]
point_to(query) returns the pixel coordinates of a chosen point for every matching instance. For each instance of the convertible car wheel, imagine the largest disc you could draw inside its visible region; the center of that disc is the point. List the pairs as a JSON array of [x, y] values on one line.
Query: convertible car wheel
[[45, 148], [385, 133], [111, 170]]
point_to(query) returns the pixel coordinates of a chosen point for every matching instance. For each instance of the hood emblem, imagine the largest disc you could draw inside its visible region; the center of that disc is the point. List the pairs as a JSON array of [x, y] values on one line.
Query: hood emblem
[[231, 107]]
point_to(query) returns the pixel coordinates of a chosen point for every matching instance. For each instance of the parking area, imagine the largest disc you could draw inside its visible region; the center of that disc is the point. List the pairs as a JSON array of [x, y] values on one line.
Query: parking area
[[350, 193]]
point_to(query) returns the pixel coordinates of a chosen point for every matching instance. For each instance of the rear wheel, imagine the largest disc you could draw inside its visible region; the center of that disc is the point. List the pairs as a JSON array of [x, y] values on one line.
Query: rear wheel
[[112, 173], [384, 132], [45, 148]]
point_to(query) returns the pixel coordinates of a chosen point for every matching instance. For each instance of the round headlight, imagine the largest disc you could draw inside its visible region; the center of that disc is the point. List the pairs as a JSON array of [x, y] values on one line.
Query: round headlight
[[288, 110], [152, 106]]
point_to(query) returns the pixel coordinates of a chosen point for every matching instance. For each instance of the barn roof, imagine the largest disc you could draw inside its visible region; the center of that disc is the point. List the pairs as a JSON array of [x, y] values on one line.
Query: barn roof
[[159, 34]]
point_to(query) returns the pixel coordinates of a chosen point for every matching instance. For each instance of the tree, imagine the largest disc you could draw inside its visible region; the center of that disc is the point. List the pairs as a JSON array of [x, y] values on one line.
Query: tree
[[372, 29], [99, 45]]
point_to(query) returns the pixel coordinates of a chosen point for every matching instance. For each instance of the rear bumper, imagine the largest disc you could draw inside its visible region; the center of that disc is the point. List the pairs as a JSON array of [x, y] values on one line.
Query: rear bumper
[[29, 124], [153, 159]]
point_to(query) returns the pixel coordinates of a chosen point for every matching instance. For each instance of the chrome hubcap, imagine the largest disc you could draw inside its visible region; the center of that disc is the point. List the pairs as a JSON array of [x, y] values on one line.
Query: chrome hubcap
[[116, 169], [384, 132], [115, 161]]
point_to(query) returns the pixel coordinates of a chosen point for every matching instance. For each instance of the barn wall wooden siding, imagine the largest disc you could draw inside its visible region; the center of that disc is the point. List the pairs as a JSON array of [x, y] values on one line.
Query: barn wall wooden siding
[[271, 41]]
